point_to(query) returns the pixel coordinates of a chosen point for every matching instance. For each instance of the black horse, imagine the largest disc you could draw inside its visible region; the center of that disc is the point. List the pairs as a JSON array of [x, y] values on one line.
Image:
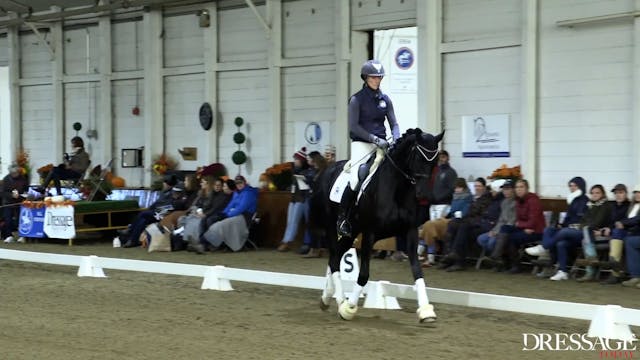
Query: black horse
[[386, 208]]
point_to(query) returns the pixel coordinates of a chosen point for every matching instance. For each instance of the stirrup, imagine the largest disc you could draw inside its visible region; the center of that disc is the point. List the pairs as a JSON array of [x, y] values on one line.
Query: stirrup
[[344, 229]]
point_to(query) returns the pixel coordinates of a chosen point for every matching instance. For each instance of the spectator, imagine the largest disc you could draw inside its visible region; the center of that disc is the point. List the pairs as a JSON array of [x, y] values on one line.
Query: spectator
[[442, 181], [436, 229], [191, 191], [507, 214], [318, 164], [630, 228], [528, 228], [619, 211], [567, 228], [298, 206], [596, 217], [475, 222], [233, 227], [13, 185], [74, 166], [166, 202], [209, 202]]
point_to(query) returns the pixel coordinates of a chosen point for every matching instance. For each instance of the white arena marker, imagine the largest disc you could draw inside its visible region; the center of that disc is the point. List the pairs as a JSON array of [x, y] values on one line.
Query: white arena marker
[[213, 280], [349, 266], [376, 298], [605, 325], [89, 268]]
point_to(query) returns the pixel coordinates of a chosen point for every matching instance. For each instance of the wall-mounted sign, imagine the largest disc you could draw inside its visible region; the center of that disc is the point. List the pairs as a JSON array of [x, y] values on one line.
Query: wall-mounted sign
[[485, 136]]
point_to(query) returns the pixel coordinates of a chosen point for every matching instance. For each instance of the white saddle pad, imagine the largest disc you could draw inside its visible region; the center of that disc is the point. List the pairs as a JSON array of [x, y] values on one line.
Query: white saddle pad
[[339, 186]]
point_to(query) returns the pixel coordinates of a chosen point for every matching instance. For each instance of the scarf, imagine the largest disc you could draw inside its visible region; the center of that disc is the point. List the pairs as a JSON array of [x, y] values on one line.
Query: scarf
[[591, 204], [572, 196], [462, 195]]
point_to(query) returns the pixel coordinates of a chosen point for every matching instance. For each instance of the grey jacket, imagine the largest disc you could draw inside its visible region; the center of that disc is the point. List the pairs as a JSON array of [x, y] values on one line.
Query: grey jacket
[[507, 214], [79, 162]]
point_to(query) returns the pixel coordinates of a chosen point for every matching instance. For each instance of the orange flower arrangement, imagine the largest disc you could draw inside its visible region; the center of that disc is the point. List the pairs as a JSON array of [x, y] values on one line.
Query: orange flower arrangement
[[22, 160], [162, 164], [281, 175], [46, 203], [505, 172]]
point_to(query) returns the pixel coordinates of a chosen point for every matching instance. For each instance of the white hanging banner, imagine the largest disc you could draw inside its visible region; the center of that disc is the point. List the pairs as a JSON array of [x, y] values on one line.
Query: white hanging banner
[[59, 222], [485, 136]]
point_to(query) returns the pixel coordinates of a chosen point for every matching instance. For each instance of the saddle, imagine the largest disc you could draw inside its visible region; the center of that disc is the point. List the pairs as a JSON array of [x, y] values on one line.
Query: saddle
[[342, 182]]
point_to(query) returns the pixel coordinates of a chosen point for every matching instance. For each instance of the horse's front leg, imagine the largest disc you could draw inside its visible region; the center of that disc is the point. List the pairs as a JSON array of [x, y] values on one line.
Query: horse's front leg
[[425, 310], [349, 308], [333, 285]]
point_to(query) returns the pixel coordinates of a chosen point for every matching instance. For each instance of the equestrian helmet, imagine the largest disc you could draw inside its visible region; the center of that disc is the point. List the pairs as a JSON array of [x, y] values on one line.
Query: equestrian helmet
[[371, 68]]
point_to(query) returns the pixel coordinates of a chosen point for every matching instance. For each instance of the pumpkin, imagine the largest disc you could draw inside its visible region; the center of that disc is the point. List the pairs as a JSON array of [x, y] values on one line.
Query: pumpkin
[[117, 181], [108, 176]]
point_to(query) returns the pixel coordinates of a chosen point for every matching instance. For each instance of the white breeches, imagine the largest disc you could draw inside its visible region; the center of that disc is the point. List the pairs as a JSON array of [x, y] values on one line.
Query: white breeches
[[360, 153]]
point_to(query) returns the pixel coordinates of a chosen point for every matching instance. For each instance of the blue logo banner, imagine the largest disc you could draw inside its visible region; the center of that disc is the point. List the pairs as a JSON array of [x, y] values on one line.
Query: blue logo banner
[[31, 222]]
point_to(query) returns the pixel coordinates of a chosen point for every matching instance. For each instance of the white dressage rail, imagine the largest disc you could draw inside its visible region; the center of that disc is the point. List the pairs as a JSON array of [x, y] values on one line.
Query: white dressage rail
[[607, 321]]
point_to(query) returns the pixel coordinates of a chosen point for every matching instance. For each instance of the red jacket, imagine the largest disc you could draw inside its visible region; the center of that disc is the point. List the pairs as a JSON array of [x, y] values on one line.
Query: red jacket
[[529, 213]]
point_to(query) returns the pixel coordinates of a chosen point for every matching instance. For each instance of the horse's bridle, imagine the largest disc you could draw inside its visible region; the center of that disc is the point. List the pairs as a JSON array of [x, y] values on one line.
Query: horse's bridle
[[423, 152]]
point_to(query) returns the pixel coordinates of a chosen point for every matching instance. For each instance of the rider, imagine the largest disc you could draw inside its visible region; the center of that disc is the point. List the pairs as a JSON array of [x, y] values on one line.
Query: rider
[[368, 109]]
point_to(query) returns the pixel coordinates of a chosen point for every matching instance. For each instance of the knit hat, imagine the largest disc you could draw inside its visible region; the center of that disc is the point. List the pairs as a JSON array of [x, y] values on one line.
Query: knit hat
[[301, 154], [240, 178]]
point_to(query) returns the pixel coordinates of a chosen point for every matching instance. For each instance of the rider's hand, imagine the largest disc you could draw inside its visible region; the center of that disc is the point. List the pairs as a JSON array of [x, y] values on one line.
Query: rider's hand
[[379, 142]]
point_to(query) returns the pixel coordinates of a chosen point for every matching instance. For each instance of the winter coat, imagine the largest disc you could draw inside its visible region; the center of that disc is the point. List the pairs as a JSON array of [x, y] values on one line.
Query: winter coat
[[79, 162], [507, 214], [578, 206], [632, 225], [243, 202], [618, 212], [443, 185], [9, 184], [597, 216], [460, 203], [478, 209], [529, 213]]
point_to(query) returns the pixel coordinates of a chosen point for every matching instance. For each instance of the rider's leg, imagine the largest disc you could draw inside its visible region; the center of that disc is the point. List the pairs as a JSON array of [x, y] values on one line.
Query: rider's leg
[[360, 152]]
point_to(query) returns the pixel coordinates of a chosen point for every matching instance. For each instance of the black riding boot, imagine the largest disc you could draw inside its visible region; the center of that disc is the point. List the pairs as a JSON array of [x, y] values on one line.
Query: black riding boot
[[344, 223]]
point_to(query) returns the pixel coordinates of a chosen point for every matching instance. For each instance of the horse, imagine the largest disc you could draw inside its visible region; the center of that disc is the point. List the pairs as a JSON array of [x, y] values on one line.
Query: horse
[[387, 207]]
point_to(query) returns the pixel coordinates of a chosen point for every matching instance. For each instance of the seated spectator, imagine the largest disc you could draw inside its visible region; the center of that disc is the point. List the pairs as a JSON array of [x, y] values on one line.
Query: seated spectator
[[169, 200], [298, 206], [620, 210], [233, 227], [567, 228], [528, 228], [630, 228], [478, 220], [596, 217], [13, 185], [74, 166], [210, 201], [436, 229], [487, 240], [191, 191]]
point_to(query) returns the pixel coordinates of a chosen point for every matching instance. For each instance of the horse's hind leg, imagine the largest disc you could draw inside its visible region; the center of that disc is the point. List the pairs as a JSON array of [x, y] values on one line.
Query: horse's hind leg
[[425, 310]]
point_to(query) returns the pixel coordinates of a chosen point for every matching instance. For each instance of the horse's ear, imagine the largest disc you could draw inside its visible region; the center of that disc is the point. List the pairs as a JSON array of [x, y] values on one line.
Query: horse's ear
[[440, 136], [418, 131]]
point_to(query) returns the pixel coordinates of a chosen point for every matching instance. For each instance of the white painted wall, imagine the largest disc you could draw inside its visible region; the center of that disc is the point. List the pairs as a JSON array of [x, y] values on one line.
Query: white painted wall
[[6, 153], [376, 14], [241, 37], [308, 28], [35, 60], [37, 111], [4, 51], [308, 95], [183, 96], [80, 104], [484, 19], [183, 41], [81, 51], [585, 97], [481, 83], [244, 94], [128, 129], [126, 46]]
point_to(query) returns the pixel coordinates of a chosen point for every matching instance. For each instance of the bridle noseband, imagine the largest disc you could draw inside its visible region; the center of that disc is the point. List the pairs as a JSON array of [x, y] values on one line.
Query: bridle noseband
[[423, 152]]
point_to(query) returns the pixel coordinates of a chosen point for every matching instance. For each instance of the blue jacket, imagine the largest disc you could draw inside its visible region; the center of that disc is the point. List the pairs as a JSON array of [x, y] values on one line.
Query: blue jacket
[[368, 110], [578, 206], [461, 205], [242, 202]]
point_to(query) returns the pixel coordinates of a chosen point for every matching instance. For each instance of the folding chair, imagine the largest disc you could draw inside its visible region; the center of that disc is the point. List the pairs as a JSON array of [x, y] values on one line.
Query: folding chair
[[253, 228], [98, 182]]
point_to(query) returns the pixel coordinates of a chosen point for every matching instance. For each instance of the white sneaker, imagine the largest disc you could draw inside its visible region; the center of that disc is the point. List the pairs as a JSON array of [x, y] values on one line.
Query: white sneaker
[[537, 250], [9, 240], [560, 275], [22, 240], [178, 231]]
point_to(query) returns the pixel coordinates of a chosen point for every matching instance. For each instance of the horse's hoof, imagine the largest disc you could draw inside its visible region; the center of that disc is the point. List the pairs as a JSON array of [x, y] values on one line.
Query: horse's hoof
[[323, 306], [426, 314], [346, 311]]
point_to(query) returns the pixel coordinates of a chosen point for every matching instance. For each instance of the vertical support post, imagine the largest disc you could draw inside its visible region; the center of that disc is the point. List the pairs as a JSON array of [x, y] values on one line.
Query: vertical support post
[[275, 77], [429, 18], [529, 103], [153, 87], [342, 34], [211, 81], [635, 123], [57, 69], [105, 118], [13, 141]]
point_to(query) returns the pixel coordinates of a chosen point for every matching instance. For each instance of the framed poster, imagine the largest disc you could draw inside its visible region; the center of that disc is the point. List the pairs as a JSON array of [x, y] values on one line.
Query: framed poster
[[485, 136]]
